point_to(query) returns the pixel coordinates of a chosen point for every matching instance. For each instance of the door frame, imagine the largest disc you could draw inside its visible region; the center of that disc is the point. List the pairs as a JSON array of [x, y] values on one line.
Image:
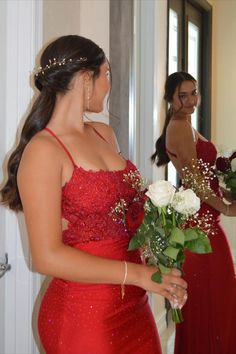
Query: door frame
[[21, 39]]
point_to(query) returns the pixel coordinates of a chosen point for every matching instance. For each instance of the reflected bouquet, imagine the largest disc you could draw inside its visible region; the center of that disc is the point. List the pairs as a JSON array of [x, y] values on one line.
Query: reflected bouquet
[[166, 225], [226, 171]]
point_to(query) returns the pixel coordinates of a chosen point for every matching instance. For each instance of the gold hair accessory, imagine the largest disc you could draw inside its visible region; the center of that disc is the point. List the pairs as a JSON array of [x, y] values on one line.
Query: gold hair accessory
[[54, 62]]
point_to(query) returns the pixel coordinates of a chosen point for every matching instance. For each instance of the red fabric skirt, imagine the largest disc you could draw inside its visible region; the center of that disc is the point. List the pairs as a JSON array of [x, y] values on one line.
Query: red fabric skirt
[[78, 318], [209, 325]]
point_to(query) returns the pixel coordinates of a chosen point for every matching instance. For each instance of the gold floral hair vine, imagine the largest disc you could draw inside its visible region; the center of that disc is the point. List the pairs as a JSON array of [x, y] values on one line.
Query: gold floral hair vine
[[55, 62]]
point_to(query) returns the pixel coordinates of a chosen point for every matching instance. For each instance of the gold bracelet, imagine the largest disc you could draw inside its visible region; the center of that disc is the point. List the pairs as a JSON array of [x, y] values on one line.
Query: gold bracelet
[[124, 281]]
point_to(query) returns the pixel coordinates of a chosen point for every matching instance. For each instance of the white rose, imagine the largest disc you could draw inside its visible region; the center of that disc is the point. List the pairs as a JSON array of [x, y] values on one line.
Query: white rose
[[233, 164], [186, 202], [161, 193]]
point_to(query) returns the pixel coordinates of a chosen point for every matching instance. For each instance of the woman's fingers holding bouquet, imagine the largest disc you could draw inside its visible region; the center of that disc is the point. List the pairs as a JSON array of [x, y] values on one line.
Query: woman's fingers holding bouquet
[[172, 286], [232, 209], [175, 288], [174, 278]]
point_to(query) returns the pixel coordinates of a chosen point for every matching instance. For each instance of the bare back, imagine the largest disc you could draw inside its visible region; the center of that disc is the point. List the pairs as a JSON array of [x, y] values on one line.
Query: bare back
[[181, 143]]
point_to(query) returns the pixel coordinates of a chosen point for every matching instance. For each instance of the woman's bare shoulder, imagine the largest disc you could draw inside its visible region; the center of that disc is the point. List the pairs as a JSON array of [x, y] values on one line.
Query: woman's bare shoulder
[[102, 128], [106, 132], [179, 128], [40, 152]]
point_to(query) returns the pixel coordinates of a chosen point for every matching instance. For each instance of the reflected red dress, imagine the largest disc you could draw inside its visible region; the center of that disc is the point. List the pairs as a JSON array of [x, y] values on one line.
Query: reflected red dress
[[77, 318], [209, 325]]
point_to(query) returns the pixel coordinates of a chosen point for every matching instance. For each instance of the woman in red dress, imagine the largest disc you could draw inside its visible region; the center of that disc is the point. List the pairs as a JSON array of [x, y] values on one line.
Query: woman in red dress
[[209, 325], [69, 179]]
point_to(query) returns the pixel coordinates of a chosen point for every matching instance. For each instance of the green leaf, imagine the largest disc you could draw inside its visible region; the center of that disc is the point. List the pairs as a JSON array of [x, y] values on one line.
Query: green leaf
[[136, 242], [157, 277], [151, 262], [164, 260], [231, 183], [233, 192], [148, 218], [169, 224], [181, 257], [160, 231], [200, 245], [177, 236], [142, 228], [163, 269], [171, 252], [190, 234]]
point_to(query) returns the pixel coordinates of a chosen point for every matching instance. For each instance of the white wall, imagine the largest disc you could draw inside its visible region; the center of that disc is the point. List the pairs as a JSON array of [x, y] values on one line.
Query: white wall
[[159, 116], [94, 22], [223, 87], [88, 18], [60, 18]]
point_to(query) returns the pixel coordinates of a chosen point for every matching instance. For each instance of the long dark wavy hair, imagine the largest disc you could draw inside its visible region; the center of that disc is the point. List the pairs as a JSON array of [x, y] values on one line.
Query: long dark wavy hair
[[50, 82], [173, 82]]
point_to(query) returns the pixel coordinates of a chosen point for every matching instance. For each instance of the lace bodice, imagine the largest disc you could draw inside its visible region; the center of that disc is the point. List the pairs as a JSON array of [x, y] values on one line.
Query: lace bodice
[[207, 152], [87, 202]]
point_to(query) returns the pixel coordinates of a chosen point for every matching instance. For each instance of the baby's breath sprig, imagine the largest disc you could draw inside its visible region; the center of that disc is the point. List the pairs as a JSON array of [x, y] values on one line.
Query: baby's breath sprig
[[198, 178], [134, 179], [205, 222], [117, 213]]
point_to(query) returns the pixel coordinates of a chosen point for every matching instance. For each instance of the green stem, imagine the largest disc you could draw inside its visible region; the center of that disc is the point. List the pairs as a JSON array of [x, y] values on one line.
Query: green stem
[[163, 217], [177, 316], [173, 218]]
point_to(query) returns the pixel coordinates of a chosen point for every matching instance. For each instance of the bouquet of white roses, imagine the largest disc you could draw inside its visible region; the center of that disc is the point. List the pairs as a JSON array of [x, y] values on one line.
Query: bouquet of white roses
[[164, 233], [226, 171]]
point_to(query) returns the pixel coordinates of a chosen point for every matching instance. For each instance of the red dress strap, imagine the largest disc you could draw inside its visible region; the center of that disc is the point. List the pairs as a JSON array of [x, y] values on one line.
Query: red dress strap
[[97, 132], [171, 153], [62, 145]]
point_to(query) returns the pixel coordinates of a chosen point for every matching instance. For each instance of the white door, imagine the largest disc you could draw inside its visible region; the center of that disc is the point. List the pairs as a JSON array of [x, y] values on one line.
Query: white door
[[20, 39]]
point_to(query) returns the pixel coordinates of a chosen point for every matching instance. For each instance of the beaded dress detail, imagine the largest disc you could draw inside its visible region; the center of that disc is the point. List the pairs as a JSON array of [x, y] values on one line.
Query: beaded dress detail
[[209, 325], [79, 318]]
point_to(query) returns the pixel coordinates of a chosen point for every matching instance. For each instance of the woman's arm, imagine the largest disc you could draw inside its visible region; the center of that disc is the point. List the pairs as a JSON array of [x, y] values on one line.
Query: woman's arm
[[40, 183], [180, 140]]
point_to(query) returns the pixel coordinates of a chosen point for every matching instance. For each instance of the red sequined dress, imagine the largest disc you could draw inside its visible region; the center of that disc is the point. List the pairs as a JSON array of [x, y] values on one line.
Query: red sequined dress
[[209, 325], [79, 318]]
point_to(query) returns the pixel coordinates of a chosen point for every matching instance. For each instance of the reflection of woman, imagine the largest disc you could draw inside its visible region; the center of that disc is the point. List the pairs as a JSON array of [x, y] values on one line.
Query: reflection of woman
[[70, 178], [209, 325]]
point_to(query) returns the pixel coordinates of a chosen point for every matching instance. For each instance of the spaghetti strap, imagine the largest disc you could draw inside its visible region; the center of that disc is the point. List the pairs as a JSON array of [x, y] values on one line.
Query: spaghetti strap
[[62, 145], [171, 153], [97, 132]]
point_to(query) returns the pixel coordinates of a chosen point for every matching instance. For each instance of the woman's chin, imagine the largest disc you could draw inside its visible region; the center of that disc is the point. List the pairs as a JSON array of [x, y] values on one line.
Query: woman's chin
[[191, 110]]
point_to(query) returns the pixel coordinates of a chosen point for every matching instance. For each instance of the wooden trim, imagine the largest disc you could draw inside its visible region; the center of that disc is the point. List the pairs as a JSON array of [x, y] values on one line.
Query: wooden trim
[[206, 73]]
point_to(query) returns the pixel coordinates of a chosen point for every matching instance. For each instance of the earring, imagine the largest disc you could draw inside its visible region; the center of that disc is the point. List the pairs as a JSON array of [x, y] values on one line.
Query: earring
[[88, 98]]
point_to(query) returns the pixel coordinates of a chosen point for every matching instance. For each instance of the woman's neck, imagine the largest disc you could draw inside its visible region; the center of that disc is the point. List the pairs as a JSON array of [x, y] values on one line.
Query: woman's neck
[[177, 116], [67, 115]]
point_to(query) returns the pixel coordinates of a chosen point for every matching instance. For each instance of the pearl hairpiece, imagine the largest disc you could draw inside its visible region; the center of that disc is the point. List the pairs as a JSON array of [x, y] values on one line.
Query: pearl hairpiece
[[55, 62]]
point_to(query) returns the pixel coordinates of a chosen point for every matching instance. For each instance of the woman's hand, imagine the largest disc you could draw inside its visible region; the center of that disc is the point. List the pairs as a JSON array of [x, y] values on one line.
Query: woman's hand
[[173, 287], [226, 194], [231, 209]]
